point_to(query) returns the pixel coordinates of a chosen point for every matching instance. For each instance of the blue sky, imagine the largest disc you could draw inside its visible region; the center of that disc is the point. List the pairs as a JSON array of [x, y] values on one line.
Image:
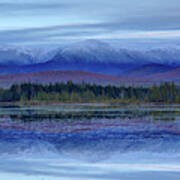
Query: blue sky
[[35, 22]]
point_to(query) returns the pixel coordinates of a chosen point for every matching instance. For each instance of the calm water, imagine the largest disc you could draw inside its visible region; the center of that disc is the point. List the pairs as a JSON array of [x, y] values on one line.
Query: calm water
[[93, 142]]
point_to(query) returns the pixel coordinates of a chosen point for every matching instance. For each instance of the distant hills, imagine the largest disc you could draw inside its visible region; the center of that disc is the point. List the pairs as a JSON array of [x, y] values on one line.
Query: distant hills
[[147, 70], [90, 60], [47, 77], [173, 75]]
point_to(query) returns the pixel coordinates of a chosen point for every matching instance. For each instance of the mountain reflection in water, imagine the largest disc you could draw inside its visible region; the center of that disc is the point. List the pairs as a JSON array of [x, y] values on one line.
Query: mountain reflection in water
[[90, 142]]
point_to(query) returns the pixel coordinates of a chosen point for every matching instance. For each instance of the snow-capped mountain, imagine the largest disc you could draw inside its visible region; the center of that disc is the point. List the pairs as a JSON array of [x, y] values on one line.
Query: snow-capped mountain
[[89, 51], [14, 56], [42, 55], [170, 56], [89, 55], [96, 51]]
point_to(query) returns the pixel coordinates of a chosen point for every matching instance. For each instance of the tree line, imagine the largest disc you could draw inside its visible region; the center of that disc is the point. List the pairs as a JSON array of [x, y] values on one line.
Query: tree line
[[84, 92]]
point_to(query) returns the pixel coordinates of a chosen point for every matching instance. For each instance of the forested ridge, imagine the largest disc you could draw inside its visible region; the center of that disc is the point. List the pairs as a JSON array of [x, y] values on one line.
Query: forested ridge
[[84, 93]]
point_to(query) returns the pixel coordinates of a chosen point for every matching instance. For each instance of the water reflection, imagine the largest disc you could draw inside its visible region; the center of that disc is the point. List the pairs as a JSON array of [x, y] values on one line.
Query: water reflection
[[74, 113], [90, 142]]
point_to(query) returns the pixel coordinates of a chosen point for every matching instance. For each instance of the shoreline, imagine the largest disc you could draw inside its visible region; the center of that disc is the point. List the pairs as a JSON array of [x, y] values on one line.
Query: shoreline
[[35, 103]]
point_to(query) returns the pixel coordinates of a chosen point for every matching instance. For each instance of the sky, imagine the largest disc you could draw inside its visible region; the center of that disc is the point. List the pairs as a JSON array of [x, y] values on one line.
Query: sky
[[32, 22]]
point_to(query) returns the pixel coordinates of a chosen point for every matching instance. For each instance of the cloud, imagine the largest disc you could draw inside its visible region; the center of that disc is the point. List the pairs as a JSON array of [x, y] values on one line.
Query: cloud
[[44, 20], [29, 6], [79, 32]]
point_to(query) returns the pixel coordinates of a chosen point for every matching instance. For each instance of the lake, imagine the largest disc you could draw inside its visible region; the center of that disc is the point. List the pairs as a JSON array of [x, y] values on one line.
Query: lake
[[90, 142]]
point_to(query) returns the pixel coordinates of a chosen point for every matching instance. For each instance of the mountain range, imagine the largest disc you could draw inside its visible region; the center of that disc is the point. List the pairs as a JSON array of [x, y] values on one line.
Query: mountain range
[[93, 56]]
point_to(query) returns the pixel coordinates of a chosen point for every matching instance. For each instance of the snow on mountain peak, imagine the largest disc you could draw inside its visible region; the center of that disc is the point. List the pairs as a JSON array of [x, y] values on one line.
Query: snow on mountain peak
[[90, 50]]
